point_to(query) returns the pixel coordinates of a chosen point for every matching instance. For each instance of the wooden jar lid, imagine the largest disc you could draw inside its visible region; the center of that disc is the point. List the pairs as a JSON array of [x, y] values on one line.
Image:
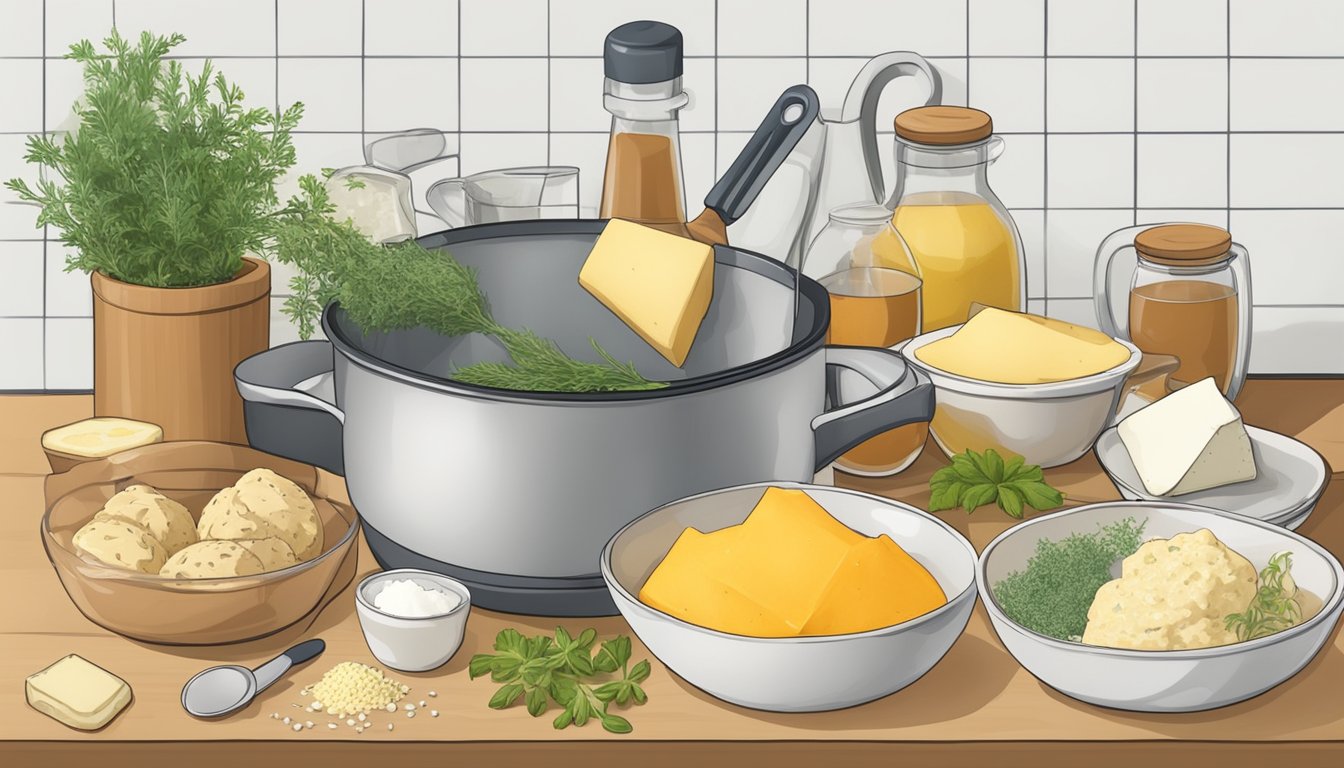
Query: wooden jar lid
[[943, 126], [1189, 245]]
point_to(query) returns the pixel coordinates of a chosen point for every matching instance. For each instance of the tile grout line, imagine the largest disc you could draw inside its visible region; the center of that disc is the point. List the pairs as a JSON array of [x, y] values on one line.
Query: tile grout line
[[716, 92], [1135, 113], [458, 127], [363, 75], [549, 159], [1228, 125], [1045, 156], [821, 56], [46, 248]]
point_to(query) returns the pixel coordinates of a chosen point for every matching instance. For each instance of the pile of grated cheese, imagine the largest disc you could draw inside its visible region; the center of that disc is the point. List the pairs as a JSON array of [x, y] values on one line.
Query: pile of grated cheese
[[352, 688]]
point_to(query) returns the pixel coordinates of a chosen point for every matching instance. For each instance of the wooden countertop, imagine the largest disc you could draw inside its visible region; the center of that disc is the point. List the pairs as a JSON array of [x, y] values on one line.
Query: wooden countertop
[[977, 706]]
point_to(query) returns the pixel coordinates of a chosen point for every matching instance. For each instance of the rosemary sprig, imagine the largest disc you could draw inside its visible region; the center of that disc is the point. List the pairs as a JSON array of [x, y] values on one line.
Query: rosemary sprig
[[1273, 609]]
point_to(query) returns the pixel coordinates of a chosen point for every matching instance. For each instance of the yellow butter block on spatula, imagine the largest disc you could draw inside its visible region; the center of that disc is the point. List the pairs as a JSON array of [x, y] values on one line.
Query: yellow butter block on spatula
[[78, 693], [659, 284]]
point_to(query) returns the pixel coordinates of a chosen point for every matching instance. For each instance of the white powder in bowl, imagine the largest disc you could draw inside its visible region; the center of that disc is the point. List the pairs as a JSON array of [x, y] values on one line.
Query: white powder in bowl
[[408, 600]]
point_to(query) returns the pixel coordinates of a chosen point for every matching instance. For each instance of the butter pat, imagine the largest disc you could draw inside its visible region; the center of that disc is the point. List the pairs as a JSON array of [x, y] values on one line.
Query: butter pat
[[95, 438], [1018, 348], [659, 284], [1190, 440], [78, 693]]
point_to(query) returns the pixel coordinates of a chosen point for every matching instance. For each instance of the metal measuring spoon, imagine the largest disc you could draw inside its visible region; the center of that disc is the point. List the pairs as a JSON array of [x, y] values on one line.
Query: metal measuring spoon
[[225, 689]]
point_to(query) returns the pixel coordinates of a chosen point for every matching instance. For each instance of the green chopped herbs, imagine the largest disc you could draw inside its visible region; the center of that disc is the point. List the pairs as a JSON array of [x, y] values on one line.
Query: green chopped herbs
[[1052, 595], [562, 669], [974, 479], [399, 286], [1274, 607]]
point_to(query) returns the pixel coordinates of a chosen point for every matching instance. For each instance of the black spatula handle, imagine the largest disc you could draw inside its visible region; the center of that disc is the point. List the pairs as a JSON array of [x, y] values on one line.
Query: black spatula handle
[[790, 118]]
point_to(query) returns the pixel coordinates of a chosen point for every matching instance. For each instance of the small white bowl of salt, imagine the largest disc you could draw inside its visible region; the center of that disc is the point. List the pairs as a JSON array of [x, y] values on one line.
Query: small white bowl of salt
[[413, 620]]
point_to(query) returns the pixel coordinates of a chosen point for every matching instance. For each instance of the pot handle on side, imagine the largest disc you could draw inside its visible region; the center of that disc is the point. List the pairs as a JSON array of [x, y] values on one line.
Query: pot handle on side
[[894, 405], [301, 425]]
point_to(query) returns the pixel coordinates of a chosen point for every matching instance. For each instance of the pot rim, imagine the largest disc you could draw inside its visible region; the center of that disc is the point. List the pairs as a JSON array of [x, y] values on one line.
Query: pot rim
[[811, 341], [253, 282]]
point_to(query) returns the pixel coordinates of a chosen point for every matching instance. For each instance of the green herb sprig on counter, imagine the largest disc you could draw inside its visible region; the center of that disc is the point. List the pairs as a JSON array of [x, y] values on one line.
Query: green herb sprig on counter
[[1054, 592], [1273, 609], [562, 669], [169, 179], [974, 479], [391, 287]]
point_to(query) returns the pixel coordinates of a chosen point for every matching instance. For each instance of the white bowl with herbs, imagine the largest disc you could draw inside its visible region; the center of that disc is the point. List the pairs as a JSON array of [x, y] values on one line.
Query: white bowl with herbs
[[1159, 607]]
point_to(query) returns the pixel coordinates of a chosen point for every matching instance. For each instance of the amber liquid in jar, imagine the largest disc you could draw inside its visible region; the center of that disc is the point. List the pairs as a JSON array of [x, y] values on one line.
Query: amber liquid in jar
[[1194, 320], [877, 308], [642, 182]]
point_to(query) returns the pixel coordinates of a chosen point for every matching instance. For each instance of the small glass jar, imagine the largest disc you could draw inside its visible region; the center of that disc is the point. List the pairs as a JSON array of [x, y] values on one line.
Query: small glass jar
[[1189, 297], [871, 306]]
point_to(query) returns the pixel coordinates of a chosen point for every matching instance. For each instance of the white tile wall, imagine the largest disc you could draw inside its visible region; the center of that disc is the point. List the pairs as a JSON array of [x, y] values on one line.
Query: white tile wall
[[1115, 112]]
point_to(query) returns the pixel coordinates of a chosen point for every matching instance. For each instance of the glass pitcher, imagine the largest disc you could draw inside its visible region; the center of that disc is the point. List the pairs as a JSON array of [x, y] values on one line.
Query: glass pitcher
[[1189, 297], [642, 61], [871, 306], [965, 243]]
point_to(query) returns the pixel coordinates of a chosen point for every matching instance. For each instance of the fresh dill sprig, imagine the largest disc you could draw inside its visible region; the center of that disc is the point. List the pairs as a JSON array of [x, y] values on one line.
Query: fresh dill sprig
[[1273, 609], [398, 286], [1054, 592]]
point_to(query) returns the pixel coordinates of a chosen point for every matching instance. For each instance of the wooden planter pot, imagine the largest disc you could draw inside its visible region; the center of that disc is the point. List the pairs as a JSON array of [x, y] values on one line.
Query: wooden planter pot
[[166, 355]]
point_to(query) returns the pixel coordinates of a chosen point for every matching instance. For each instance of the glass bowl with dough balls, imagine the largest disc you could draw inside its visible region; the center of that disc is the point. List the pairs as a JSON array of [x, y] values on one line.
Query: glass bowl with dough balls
[[196, 543]]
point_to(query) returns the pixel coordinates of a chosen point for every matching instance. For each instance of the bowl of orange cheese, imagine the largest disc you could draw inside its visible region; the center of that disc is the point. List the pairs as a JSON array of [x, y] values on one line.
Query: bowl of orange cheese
[[790, 597]]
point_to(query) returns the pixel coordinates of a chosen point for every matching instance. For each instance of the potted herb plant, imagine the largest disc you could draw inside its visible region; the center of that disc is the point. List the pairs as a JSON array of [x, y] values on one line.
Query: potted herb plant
[[165, 192]]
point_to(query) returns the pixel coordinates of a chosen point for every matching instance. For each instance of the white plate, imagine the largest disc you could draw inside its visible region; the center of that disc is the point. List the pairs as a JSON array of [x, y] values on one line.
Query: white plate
[[1290, 478]]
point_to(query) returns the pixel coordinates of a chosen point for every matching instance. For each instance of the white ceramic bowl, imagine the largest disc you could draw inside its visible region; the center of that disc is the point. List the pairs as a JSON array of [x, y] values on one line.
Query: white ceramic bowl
[[802, 674], [412, 644], [1166, 681], [1046, 424]]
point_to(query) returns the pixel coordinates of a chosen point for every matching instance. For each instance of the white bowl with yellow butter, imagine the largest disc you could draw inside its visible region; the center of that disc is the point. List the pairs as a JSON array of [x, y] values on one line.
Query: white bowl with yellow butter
[[1033, 387]]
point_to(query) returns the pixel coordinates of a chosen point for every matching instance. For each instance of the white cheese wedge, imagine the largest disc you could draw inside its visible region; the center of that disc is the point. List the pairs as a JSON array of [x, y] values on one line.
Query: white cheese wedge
[[659, 284], [78, 693], [1188, 441]]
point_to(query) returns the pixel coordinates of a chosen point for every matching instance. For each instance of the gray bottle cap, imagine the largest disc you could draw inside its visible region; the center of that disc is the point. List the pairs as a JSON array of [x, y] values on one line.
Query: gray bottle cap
[[643, 52]]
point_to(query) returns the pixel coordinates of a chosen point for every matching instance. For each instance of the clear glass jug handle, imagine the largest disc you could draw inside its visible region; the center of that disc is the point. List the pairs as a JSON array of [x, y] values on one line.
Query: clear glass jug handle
[[448, 200], [994, 149], [1111, 321], [862, 99], [1240, 265]]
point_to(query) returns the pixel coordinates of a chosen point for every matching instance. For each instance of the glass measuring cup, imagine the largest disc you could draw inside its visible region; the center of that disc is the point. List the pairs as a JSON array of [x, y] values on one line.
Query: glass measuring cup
[[510, 194]]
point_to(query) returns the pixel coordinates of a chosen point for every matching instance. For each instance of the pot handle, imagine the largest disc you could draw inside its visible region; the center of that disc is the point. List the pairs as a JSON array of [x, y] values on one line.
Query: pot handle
[[843, 428], [300, 361]]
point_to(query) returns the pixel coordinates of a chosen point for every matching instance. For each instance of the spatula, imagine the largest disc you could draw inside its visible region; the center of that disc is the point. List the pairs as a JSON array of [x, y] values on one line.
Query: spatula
[[790, 118]]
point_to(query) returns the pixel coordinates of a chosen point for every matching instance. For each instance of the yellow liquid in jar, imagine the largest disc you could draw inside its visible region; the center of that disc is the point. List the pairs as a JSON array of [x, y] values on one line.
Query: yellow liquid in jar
[[962, 250]]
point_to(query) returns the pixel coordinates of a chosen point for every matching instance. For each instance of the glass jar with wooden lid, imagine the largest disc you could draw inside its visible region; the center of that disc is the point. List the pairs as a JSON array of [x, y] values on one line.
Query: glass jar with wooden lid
[[1189, 297], [964, 241]]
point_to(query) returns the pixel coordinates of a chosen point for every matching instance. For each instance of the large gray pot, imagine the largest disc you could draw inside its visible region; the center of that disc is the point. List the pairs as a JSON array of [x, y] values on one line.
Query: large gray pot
[[516, 493]]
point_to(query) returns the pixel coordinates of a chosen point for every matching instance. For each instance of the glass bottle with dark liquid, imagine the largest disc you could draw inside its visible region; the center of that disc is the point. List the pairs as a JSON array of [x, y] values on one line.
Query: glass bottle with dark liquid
[[642, 91]]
